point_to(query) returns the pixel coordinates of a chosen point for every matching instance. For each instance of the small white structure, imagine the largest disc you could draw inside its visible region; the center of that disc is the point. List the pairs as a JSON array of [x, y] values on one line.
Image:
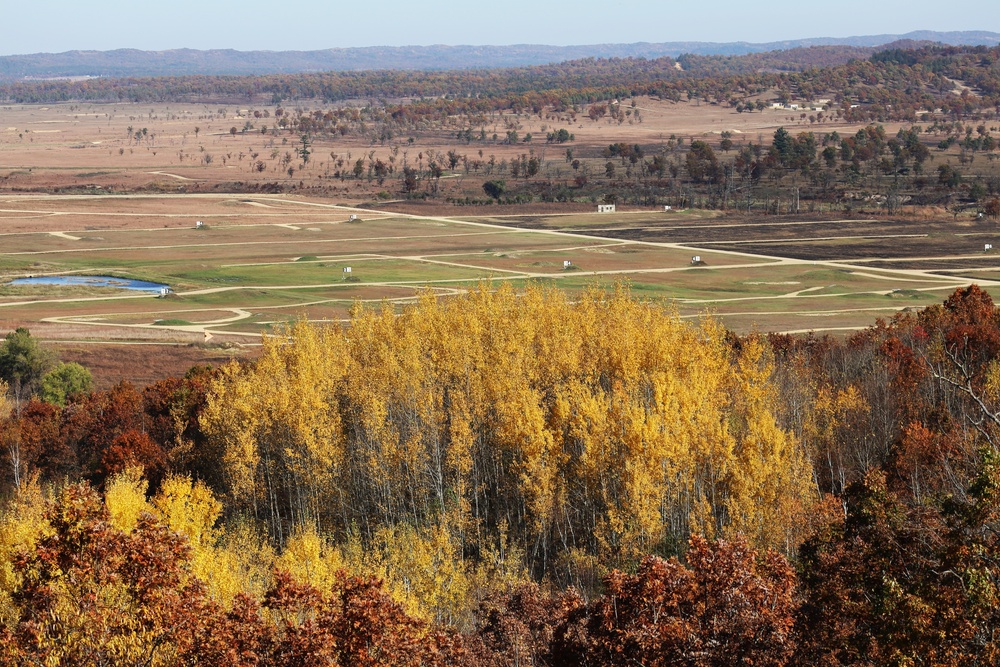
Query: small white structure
[[567, 263], [989, 246], [199, 225], [164, 291], [605, 208], [668, 208], [696, 259], [352, 218], [347, 272]]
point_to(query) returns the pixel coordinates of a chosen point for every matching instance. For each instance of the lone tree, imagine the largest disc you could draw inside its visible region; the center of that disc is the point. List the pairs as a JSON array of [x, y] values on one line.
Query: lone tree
[[64, 381], [495, 189], [409, 179], [23, 363], [992, 208], [702, 165]]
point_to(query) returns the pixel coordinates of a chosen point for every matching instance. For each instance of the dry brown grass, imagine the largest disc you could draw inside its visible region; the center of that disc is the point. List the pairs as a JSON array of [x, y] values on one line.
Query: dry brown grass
[[59, 146], [142, 365]]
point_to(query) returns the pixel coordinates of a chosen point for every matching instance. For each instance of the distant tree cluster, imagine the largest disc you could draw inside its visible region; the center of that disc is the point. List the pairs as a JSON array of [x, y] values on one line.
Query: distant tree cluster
[[890, 85]]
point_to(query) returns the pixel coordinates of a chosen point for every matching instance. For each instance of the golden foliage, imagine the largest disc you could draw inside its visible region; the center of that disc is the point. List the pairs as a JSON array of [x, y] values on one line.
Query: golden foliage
[[125, 498], [424, 570], [22, 524], [605, 426], [772, 487], [310, 559], [188, 508]]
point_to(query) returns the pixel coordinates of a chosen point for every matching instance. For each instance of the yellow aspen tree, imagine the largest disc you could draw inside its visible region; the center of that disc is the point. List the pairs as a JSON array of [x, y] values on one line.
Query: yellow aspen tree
[[189, 508], [125, 498], [277, 423], [771, 486], [832, 419], [425, 571], [22, 524], [309, 558], [600, 428]]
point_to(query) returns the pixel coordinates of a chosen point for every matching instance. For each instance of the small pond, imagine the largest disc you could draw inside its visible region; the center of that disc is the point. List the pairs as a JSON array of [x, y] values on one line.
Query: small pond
[[91, 281]]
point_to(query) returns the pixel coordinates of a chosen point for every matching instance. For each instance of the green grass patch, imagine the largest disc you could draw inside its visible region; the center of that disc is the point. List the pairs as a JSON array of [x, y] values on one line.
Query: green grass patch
[[308, 274], [906, 294]]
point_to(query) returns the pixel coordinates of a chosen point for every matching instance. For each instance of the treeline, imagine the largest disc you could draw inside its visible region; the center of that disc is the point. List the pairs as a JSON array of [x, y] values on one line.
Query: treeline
[[891, 85], [869, 165], [534, 480], [868, 168], [789, 60]]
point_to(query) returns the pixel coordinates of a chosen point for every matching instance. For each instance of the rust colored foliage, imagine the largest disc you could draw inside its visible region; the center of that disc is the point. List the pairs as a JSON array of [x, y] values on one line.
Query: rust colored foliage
[[968, 325], [103, 432], [355, 624], [89, 594], [520, 628], [41, 448], [729, 606], [899, 583], [132, 448], [236, 638]]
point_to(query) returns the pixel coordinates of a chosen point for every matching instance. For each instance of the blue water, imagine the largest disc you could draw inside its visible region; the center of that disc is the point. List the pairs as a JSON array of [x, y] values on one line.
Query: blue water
[[92, 281]]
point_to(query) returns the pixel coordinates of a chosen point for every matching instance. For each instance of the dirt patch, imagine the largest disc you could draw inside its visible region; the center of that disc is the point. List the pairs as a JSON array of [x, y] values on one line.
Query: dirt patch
[[143, 365], [921, 248], [437, 208], [944, 265]]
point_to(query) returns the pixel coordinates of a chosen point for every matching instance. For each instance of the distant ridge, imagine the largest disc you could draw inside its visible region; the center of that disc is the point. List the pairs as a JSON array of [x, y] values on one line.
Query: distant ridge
[[175, 62]]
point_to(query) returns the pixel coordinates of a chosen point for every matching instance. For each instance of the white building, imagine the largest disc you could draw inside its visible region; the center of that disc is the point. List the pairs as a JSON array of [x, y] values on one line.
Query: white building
[[605, 208]]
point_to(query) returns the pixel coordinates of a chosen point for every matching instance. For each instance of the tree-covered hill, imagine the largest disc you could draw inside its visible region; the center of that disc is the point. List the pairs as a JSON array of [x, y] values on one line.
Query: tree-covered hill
[[221, 62]]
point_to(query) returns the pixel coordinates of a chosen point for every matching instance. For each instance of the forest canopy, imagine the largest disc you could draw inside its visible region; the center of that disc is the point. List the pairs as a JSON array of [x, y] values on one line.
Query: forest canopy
[[510, 478]]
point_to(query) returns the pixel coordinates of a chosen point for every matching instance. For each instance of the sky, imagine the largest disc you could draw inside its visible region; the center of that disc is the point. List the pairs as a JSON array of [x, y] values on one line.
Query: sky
[[62, 25]]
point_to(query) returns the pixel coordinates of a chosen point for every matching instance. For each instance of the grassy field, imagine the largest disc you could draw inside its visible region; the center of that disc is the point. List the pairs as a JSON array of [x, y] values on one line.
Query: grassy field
[[263, 259], [242, 275]]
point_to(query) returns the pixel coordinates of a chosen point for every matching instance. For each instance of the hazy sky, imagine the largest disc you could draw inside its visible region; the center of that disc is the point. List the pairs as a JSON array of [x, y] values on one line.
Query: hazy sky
[[62, 25]]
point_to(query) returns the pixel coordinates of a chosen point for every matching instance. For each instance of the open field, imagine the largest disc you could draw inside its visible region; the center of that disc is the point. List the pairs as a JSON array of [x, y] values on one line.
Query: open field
[[81, 194], [240, 276], [196, 147]]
